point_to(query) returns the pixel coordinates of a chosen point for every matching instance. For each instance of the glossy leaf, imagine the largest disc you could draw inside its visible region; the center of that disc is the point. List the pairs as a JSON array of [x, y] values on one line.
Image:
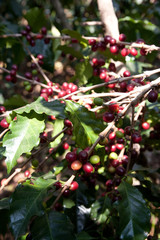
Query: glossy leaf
[[134, 215], [14, 102], [100, 209], [36, 18], [26, 202], [54, 226], [68, 203], [57, 127], [40, 106], [76, 35], [69, 50], [83, 72], [22, 137], [85, 125]]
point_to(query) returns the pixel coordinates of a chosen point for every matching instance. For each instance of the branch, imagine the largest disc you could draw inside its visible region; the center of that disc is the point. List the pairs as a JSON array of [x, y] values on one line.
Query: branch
[[61, 14], [108, 18]]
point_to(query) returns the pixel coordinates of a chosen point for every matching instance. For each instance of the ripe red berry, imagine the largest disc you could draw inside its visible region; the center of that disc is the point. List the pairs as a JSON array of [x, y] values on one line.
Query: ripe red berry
[[133, 52], [49, 91], [120, 171], [44, 30], [109, 183], [112, 67], [91, 42], [152, 96], [122, 37], [28, 75], [94, 47], [66, 193], [71, 157], [108, 117], [124, 52], [112, 136], [114, 163], [58, 185], [114, 49], [113, 107], [2, 109], [136, 137], [88, 168], [65, 146], [76, 165], [107, 39], [67, 123], [45, 96], [4, 123], [74, 186], [143, 52], [130, 87], [126, 73], [83, 156], [112, 41], [27, 173], [8, 78], [145, 125], [50, 84]]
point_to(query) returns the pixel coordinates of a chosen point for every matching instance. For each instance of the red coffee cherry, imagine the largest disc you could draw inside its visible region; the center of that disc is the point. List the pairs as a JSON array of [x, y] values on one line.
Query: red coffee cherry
[[152, 96], [74, 186], [122, 37], [76, 165], [88, 168], [27, 173]]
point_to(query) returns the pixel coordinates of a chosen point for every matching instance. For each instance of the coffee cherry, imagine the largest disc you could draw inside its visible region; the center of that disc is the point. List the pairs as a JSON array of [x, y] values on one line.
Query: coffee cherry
[[111, 169], [103, 75], [133, 52], [113, 107], [98, 101], [76, 165], [28, 75], [112, 67], [112, 136], [109, 183], [27, 173], [129, 180], [115, 163], [2, 109], [94, 159], [58, 207], [8, 78], [113, 155], [28, 28], [83, 156], [143, 52], [112, 41], [67, 123], [126, 73], [124, 52], [94, 47], [35, 163], [88, 168], [107, 39], [130, 87], [66, 193], [145, 125], [74, 186], [119, 146], [136, 137], [108, 117], [65, 146], [113, 148], [49, 91], [4, 123], [58, 185], [47, 40], [44, 30], [71, 157], [122, 37], [114, 49], [152, 96], [119, 134], [91, 42], [120, 171]]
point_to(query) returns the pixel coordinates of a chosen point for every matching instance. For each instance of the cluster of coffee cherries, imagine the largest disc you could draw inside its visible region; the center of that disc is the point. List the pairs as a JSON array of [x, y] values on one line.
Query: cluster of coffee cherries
[[115, 46], [27, 32], [4, 123], [11, 77]]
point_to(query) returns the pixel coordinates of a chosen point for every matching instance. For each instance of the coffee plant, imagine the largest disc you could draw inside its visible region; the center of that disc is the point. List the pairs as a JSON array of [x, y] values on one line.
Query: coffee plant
[[80, 123]]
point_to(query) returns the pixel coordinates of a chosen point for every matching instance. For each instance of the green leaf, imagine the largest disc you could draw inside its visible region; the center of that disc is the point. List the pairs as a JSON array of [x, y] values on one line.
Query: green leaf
[[68, 203], [83, 72], [84, 236], [4, 203], [24, 135], [26, 202], [71, 51], [2, 151], [58, 126], [14, 102], [85, 125], [36, 18], [76, 35], [134, 215], [100, 209], [40, 106], [54, 226]]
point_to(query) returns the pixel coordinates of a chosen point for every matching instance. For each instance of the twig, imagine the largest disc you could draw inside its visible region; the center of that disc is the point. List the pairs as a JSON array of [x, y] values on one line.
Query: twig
[[66, 185], [2, 134]]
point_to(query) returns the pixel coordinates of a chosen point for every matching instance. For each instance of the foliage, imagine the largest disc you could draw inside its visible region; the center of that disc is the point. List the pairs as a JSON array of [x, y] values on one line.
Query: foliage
[[54, 127]]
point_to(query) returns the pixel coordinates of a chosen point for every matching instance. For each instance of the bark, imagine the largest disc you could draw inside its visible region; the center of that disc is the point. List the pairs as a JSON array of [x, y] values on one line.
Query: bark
[[61, 14], [108, 18]]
